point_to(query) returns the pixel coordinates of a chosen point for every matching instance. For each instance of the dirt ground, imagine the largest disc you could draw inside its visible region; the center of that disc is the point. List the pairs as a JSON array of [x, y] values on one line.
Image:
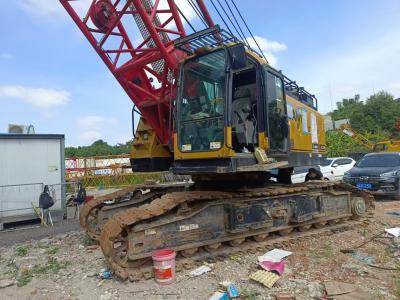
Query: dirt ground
[[62, 267]]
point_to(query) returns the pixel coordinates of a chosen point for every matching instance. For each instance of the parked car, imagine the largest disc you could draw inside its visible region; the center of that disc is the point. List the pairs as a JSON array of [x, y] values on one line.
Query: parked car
[[336, 166], [376, 172], [299, 174]]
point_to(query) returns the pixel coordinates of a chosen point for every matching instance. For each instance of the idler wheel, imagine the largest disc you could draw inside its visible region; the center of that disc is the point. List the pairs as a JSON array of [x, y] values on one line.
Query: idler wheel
[[358, 207]]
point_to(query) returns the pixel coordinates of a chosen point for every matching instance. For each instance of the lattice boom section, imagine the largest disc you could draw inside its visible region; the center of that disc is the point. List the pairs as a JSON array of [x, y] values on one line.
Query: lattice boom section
[[134, 39]]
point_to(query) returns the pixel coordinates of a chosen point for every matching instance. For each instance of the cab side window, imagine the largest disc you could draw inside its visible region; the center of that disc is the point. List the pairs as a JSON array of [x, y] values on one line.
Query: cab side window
[[278, 129]]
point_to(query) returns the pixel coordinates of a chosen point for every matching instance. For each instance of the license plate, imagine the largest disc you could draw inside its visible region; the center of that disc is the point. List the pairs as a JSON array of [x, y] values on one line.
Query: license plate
[[364, 185]]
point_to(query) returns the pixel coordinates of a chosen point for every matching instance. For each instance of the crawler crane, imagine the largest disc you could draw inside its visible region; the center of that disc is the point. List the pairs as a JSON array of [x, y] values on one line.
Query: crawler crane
[[213, 108]]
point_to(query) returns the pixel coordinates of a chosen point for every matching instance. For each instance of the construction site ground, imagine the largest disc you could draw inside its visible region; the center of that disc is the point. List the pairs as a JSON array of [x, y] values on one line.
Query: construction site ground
[[67, 266]]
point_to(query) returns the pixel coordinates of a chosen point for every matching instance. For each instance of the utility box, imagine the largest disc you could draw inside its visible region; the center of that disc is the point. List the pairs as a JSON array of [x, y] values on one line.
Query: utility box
[[28, 162]]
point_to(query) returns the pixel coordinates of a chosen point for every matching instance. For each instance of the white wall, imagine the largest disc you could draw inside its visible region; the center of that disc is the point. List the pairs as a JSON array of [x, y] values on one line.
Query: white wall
[[24, 162]]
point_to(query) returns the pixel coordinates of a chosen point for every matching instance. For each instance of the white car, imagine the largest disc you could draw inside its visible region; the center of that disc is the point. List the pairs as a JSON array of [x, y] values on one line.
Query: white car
[[299, 174], [337, 166]]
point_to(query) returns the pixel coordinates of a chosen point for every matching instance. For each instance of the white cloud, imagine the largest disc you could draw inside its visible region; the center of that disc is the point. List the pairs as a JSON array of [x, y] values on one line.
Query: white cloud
[[184, 7], [364, 68], [91, 122], [5, 55], [51, 8], [39, 97], [90, 136], [93, 127], [268, 47], [41, 8], [395, 88], [54, 9]]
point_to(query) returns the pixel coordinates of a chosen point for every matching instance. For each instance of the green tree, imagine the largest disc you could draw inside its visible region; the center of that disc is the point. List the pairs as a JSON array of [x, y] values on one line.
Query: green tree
[[375, 118], [377, 114], [340, 144], [98, 148]]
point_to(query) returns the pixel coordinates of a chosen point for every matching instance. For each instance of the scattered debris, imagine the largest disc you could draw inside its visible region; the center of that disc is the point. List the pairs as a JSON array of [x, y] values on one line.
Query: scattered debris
[[315, 290], [369, 260], [311, 264], [394, 231], [106, 275], [218, 295], [346, 291], [225, 283], [106, 297], [273, 260], [393, 213], [92, 248], [274, 255], [273, 266], [199, 271], [264, 277], [284, 296], [334, 288], [6, 283], [366, 241], [232, 291]]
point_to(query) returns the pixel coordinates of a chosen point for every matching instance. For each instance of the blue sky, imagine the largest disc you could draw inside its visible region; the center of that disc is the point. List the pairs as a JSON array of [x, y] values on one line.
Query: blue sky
[[51, 77]]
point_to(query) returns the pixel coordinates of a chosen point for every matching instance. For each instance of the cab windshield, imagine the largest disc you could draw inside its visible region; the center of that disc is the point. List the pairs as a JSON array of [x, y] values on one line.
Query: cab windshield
[[200, 110]]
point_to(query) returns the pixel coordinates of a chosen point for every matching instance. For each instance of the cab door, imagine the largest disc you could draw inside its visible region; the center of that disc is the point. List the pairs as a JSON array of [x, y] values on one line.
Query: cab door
[[276, 116]]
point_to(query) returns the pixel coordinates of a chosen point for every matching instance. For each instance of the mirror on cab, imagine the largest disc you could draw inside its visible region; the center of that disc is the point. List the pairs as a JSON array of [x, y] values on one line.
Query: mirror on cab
[[237, 56]]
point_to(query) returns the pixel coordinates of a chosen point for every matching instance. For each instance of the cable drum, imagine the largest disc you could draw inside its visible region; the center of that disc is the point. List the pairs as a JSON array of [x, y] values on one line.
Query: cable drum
[[103, 15]]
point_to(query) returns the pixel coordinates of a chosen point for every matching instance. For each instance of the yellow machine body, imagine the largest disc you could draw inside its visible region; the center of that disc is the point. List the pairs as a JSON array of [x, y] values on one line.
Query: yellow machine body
[[303, 142], [148, 153]]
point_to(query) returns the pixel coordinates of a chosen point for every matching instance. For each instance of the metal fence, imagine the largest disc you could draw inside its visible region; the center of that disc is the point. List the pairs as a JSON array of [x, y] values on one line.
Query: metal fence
[[17, 199], [110, 172], [105, 171]]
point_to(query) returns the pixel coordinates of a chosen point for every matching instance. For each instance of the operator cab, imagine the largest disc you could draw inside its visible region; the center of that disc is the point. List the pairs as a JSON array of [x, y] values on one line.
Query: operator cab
[[230, 105]]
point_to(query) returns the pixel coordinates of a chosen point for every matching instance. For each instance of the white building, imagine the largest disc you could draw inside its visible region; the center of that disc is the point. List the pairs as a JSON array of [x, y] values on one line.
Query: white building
[[28, 162]]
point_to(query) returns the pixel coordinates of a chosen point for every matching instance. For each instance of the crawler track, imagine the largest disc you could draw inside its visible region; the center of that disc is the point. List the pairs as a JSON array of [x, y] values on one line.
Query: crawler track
[[96, 212], [129, 258]]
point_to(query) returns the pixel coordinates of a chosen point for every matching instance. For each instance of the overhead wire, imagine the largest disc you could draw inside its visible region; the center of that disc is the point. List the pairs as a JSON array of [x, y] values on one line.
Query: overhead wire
[[233, 24], [254, 39], [198, 12], [226, 25], [237, 23], [184, 17]]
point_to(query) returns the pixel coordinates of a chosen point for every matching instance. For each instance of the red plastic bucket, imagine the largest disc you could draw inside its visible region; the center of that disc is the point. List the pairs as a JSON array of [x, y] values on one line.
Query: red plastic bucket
[[164, 266]]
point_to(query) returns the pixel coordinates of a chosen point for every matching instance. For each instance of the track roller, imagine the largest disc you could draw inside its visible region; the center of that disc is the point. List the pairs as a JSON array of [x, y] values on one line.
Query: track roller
[[319, 225], [236, 242], [304, 228], [285, 232], [212, 247], [189, 252], [260, 237]]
